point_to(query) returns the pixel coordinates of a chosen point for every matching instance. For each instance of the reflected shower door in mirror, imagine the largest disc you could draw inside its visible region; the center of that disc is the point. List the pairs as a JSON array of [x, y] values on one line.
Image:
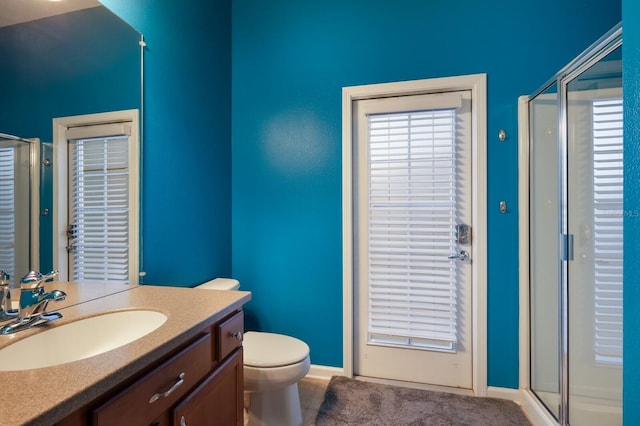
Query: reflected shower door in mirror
[[544, 226], [19, 176], [595, 219], [59, 63]]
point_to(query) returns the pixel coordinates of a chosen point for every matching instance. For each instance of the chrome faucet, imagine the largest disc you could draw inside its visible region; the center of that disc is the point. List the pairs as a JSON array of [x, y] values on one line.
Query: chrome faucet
[[33, 303]]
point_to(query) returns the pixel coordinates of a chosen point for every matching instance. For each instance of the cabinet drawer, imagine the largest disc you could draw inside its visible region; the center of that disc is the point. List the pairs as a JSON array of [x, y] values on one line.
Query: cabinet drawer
[[169, 382], [229, 335], [218, 401]]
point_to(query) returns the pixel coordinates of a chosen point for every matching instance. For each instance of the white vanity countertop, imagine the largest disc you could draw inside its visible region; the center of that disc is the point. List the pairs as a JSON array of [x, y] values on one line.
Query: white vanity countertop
[[46, 395]]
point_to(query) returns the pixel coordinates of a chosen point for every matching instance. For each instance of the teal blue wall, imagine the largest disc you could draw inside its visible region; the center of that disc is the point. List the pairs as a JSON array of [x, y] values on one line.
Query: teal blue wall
[[631, 93], [186, 197], [61, 66], [282, 74], [290, 60]]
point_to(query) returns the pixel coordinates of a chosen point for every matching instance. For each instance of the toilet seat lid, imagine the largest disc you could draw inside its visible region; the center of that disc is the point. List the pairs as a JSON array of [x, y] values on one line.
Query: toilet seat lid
[[272, 350]]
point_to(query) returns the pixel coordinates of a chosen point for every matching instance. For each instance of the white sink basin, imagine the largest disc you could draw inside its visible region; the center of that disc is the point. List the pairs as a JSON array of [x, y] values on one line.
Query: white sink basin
[[79, 340]]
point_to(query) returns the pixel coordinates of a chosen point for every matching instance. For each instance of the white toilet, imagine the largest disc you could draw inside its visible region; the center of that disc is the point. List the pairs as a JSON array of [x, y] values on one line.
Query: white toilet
[[273, 366]]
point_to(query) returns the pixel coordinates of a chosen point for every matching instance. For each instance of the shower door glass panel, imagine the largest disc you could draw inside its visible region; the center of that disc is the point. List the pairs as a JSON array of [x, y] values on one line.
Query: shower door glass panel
[[15, 196], [594, 130], [544, 231]]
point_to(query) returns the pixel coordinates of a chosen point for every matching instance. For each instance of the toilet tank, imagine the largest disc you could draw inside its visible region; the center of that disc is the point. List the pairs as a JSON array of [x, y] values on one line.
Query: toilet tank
[[220, 284]]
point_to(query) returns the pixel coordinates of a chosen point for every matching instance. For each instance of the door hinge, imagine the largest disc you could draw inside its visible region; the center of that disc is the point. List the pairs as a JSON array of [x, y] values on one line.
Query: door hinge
[[72, 231]]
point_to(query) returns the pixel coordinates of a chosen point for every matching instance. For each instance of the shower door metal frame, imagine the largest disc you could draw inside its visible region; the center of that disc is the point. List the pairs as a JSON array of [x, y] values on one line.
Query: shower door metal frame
[[597, 51]]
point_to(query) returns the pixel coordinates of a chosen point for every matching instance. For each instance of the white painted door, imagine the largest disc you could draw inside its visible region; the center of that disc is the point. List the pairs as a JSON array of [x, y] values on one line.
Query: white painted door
[[413, 319]]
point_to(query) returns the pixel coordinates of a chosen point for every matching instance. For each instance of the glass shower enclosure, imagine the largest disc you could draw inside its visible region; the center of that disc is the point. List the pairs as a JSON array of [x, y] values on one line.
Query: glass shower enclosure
[[575, 238]]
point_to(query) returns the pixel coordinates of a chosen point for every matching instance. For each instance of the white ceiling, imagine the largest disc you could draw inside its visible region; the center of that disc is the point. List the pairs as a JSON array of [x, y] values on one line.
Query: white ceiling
[[17, 11]]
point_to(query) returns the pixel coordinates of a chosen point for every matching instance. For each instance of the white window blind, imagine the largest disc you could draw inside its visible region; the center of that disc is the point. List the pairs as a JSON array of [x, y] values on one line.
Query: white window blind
[[7, 210], [608, 228], [412, 216], [99, 208]]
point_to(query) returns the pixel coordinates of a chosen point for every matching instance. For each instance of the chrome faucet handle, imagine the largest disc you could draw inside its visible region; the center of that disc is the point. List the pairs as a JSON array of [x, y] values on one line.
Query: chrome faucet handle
[[34, 279]]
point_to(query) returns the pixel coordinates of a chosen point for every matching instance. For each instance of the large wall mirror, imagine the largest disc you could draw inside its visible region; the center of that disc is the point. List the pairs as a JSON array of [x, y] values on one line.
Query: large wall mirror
[[60, 59]]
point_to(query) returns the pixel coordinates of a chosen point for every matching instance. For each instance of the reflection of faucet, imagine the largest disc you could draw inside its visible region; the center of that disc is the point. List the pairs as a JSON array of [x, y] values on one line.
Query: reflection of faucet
[[33, 299], [6, 312], [35, 279], [33, 302]]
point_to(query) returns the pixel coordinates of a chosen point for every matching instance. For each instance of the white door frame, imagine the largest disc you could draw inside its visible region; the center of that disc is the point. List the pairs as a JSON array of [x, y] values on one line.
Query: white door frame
[[477, 83], [60, 193]]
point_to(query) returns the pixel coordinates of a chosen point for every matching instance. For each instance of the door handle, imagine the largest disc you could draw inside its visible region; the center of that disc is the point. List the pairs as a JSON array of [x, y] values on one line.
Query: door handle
[[461, 255]]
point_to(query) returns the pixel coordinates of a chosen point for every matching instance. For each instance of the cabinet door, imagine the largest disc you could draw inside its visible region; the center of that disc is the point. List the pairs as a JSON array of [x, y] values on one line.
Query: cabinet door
[[218, 401]]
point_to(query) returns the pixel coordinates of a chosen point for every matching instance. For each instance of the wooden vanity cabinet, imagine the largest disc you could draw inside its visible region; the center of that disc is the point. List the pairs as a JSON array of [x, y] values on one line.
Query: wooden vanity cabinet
[[200, 384]]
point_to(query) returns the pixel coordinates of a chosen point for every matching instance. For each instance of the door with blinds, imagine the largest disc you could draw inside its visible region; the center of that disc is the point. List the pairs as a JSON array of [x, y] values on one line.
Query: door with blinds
[[98, 221], [413, 211]]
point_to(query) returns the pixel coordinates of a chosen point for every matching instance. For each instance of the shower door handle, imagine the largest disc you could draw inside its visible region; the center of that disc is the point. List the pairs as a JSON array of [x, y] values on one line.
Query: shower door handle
[[461, 255]]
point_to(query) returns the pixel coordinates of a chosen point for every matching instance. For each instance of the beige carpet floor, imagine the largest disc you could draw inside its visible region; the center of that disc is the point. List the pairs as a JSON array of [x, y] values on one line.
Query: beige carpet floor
[[354, 402]]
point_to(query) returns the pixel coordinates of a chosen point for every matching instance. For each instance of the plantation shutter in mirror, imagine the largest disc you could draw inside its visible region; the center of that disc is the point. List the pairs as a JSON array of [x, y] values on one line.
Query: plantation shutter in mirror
[[99, 207], [7, 210], [608, 226], [412, 218]]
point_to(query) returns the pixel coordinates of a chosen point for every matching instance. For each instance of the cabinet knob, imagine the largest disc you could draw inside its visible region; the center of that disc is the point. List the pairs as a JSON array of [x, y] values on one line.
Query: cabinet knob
[[237, 335], [183, 422]]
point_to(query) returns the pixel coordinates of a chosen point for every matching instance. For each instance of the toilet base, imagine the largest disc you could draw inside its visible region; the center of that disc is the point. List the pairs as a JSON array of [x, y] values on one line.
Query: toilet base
[[275, 408]]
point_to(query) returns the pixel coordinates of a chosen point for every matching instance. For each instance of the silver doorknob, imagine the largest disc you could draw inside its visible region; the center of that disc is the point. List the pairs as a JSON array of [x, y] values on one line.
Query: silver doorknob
[[461, 255]]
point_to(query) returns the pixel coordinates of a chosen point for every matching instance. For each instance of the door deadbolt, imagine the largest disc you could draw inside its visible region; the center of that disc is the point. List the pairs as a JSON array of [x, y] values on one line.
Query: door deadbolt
[[463, 234]]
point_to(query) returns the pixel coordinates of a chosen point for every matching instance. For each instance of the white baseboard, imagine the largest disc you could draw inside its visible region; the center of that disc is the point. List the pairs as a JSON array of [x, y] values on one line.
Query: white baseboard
[[531, 406], [323, 372], [504, 393], [535, 411]]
